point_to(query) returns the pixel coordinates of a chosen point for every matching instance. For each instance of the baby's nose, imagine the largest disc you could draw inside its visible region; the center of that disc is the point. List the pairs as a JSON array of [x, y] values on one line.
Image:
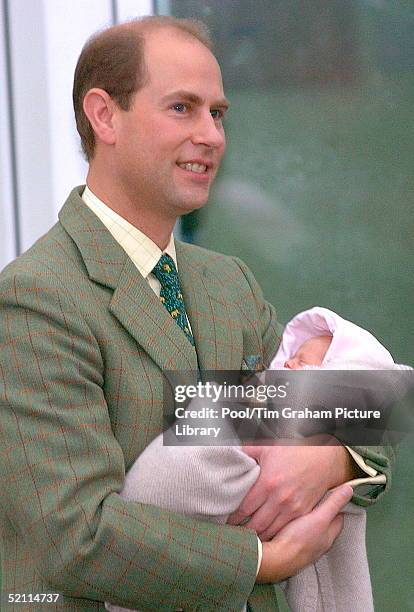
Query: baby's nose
[[293, 363]]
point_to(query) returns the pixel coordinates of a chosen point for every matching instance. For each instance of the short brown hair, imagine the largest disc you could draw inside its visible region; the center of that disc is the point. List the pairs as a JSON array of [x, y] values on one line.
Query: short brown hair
[[113, 60]]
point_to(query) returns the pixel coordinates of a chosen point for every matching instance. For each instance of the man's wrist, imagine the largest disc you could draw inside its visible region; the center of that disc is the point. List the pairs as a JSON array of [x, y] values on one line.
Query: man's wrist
[[344, 468], [266, 569], [277, 561]]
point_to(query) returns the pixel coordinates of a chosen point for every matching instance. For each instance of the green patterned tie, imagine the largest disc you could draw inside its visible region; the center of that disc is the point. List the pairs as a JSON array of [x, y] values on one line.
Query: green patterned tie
[[171, 295]]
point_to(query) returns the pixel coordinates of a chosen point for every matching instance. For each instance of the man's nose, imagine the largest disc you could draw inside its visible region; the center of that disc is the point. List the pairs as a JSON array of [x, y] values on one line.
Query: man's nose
[[209, 131]]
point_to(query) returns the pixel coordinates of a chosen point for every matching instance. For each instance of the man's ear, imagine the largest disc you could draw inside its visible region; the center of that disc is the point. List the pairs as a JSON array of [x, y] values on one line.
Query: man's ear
[[99, 108]]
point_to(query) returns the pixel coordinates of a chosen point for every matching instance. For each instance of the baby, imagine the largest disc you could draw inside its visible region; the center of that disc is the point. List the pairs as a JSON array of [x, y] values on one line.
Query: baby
[[310, 353], [209, 482], [334, 342]]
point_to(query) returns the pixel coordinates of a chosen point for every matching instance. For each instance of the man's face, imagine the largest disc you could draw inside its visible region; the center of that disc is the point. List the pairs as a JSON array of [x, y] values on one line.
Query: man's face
[[170, 143]]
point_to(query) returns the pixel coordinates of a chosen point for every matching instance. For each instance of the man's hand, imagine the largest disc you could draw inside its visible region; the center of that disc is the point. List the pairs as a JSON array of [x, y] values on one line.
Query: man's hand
[[292, 480], [305, 539]]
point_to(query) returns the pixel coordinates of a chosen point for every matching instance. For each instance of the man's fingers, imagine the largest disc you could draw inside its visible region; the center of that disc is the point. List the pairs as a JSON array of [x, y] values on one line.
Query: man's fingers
[[252, 501], [261, 519], [281, 520], [336, 500]]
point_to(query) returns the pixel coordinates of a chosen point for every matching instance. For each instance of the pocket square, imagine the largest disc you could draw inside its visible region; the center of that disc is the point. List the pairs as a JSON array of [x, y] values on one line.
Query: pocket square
[[252, 363]]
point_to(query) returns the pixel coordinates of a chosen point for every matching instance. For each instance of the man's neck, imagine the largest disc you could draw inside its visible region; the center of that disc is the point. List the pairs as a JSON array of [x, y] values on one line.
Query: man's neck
[[149, 221]]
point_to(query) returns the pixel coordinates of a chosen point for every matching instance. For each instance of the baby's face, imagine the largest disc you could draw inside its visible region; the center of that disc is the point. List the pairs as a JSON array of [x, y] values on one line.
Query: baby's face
[[311, 352]]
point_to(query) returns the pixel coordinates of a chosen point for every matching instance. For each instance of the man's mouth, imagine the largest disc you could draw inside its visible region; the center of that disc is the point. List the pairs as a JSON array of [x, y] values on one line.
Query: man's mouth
[[193, 167]]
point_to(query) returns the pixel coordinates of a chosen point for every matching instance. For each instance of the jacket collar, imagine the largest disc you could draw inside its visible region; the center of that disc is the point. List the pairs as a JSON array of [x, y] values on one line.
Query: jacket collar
[[209, 307]]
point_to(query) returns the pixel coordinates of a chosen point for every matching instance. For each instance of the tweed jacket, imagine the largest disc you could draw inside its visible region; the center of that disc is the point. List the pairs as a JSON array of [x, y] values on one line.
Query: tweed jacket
[[84, 342]]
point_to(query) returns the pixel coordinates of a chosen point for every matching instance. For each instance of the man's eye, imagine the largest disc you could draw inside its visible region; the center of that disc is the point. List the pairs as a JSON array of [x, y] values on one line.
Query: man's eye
[[216, 113], [180, 107]]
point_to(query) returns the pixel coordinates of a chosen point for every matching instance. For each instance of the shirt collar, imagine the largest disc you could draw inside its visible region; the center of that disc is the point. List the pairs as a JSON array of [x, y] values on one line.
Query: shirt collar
[[144, 253]]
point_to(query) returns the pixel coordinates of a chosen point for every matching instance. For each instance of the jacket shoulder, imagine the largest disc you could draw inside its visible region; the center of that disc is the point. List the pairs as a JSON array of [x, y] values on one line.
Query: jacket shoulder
[[51, 254], [212, 259]]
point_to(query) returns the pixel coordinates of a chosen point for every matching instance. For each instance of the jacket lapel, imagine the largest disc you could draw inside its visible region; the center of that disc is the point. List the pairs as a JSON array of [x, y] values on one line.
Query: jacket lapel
[[214, 318], [139, 310], [133, 302]]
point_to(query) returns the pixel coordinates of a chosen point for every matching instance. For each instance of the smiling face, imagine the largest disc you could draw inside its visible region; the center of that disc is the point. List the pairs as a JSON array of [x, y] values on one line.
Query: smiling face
[[310, 353], [170, 143]]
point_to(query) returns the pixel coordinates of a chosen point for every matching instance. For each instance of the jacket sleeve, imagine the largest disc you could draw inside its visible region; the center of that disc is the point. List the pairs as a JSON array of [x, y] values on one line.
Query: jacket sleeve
[[61, 470], [381, 459]]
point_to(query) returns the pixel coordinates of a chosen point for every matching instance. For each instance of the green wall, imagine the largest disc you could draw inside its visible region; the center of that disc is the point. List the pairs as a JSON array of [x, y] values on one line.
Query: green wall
[[317, 196], [316, 192]]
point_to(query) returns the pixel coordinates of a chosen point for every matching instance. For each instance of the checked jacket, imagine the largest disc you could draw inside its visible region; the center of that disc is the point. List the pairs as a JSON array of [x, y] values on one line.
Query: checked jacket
[[84, 342]]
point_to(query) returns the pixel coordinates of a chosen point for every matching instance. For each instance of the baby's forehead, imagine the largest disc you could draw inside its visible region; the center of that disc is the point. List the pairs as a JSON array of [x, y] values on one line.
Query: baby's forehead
[[316, 342]]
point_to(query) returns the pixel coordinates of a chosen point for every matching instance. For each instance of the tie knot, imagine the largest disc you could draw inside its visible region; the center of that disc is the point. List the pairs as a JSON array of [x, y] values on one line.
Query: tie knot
[[165, 270]]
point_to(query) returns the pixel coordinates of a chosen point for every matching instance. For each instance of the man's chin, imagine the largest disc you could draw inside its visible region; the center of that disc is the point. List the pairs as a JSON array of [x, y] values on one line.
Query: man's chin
[[192, 202]]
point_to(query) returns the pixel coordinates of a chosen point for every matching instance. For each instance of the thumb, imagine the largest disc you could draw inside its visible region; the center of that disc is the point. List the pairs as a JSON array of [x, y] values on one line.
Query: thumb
[[335, 528], [336, 500]]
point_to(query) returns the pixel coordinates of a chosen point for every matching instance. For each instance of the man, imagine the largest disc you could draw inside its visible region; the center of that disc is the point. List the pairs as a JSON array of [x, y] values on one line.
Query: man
[[85, 339]]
